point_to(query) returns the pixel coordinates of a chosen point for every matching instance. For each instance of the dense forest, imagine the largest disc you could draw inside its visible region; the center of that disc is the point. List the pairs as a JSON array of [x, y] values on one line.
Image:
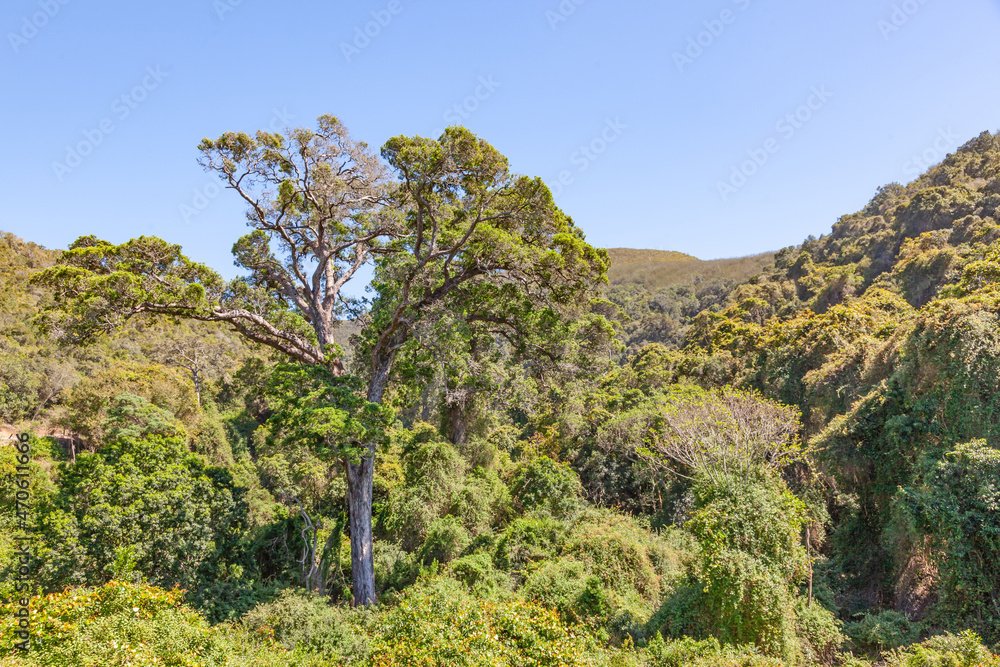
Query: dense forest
[[519, 449]]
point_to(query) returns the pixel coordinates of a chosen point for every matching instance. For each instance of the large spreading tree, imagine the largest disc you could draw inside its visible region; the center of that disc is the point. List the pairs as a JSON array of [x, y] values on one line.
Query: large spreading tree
[[452, 231]]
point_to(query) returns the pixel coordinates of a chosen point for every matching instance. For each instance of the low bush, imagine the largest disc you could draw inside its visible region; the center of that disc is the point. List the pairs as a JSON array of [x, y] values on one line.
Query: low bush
[[546, 486], [819, 632], [122, 624], [298, 619], [688, 652], [741, 587], [962, 650], [881, 631], [439, 624], [480, 576], [565, 586], [619, 552], [445, 541], [527, 540], [395, 569]]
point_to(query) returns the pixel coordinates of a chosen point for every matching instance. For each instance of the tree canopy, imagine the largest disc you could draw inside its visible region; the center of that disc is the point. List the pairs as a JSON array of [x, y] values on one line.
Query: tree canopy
[[456, 232]]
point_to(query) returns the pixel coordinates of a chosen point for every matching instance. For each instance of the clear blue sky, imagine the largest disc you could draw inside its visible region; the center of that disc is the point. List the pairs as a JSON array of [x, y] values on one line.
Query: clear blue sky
[[887, 80]]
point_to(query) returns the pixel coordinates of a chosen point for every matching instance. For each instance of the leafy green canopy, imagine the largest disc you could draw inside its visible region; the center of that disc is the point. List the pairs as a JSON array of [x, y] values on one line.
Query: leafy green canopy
[[316, 408], [99, 286], [455, 233], [143, 493], [486, 254]]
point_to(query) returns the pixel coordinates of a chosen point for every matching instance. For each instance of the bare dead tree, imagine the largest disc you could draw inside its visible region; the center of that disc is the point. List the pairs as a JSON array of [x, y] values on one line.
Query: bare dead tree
[[312, 562], [723, 434]]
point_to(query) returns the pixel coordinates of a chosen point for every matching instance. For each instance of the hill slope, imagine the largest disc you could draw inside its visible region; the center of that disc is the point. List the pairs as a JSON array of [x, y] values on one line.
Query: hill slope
[[655, 269], [660, 291], [886, 335]]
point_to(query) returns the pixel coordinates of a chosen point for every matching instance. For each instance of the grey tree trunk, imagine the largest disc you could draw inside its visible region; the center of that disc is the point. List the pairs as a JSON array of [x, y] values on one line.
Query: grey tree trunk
[[359, 497], [360, 477], [458, 422]]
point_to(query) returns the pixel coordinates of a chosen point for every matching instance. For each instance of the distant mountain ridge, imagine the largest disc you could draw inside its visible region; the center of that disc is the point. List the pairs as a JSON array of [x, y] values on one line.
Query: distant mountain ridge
[[655, 269], [660, 291]]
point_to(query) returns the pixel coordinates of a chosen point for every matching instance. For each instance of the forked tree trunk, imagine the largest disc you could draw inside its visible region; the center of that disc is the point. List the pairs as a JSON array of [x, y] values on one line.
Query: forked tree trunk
[[359, 496]]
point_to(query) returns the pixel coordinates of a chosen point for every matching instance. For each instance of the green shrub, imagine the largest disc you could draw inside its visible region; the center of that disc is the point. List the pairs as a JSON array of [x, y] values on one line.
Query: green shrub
[[881, 631], [762, 518], [546, 486], [680, 614], [123, 624], [481, 453], [144, 489], [19, 385], [746, 602], [298, 619], [430, 461], [479, 575], [688, 652], [439, 624], [40, 488], [395, 569], [742, 584], [483, 503], [434, 475], [527, 540], [819, 633], [619, 552], [210, 438], [445, 541], [563, 585], [957, 507], [962, 650]]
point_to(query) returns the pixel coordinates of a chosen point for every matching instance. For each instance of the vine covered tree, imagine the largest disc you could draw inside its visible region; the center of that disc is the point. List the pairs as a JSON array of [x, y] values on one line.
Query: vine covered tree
[[454, 231]]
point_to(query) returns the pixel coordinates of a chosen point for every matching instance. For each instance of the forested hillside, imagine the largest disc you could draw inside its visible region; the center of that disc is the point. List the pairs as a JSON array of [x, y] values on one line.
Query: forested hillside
[[578, 456], [884, 334], [661, 292]]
